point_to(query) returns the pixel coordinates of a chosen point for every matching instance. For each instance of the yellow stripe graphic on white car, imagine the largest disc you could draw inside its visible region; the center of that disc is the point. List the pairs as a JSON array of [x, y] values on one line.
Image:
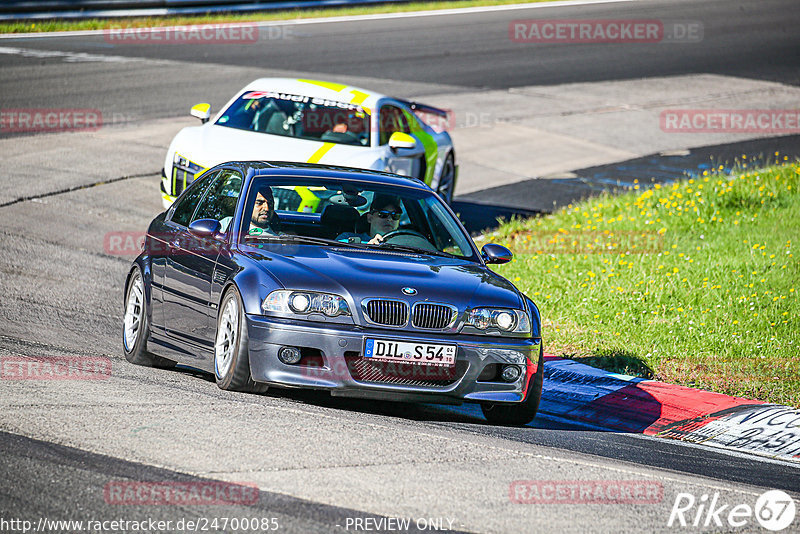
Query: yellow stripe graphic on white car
[[358, 96], [327, 85], [321, 151]]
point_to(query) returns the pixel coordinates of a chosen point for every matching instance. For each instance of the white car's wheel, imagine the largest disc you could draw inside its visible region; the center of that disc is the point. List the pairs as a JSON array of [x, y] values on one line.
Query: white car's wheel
[[447, 183]]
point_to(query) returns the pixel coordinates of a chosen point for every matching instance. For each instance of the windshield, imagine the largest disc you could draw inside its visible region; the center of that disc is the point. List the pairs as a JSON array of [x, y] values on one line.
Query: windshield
[[349, 214], [298, 116]]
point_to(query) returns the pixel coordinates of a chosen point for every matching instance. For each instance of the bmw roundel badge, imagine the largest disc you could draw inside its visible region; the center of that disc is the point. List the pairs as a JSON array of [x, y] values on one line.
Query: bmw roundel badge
[[409, 291]]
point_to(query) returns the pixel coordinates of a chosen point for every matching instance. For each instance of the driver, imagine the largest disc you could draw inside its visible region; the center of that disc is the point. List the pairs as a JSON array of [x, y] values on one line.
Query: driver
[[383, 217]]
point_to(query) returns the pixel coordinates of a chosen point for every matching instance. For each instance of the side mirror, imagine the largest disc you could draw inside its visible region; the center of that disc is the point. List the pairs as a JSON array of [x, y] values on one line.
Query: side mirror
[[401, 140], [202, 112], [494, 253], [205, 227]]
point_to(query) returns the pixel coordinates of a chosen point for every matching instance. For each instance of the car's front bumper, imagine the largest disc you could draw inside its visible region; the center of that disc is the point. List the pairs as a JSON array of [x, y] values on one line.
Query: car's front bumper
[[339, 369]]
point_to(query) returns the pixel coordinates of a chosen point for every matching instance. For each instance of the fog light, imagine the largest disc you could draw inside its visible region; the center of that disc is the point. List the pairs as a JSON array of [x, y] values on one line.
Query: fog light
[[510, 373], [289, 355]]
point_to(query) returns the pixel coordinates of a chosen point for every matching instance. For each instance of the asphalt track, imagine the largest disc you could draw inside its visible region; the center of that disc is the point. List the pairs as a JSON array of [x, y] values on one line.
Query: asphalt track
[[756, 40], [317, 460]]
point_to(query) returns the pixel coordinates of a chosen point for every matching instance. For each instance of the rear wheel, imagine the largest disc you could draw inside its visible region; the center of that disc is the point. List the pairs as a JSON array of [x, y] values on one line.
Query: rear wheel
[[136, 326], [447, 182], [523, 413], [231, 356]]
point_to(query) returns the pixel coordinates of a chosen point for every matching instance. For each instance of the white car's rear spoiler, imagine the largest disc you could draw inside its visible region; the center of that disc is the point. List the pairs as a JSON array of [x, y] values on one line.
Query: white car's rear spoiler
[[416, 106]]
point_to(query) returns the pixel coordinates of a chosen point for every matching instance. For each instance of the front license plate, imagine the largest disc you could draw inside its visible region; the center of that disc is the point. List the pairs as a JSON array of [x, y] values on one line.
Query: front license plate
[[401, 351]]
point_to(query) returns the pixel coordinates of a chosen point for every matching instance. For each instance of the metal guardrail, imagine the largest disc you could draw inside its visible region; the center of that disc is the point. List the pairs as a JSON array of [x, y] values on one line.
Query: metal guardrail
[[83, 9]]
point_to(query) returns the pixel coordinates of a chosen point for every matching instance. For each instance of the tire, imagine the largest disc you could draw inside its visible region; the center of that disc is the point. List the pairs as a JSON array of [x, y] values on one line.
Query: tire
[[136, 325], [447, 182], [231, 355], [523, 413]]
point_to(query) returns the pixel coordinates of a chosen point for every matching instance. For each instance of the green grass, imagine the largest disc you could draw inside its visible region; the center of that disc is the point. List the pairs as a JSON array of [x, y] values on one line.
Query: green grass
[[692, 283], [218, 18]]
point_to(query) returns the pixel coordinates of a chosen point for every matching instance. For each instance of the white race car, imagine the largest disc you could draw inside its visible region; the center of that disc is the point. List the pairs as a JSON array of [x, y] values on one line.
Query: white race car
[[281, 119]]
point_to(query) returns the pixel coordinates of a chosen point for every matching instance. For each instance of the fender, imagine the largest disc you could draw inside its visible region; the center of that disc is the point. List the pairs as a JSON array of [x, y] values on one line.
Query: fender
[[147, 278], [536, 320], [252, 289]]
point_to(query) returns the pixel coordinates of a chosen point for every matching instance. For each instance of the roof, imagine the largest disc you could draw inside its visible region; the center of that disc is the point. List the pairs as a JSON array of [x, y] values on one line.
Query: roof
[[317, 88], [267, 168]]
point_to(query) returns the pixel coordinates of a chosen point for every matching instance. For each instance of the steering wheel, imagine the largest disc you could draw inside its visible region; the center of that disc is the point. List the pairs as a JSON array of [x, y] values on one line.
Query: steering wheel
[[408, 237]]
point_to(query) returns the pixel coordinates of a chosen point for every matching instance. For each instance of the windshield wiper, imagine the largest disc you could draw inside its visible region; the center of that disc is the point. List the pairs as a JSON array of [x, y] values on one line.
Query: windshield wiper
[[334, 243], [417, 250], [305, 239]]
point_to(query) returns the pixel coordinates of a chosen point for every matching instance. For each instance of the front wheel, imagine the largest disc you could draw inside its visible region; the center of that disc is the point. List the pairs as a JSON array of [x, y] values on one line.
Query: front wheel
[[523, 413], [231, 355], [136, 326]]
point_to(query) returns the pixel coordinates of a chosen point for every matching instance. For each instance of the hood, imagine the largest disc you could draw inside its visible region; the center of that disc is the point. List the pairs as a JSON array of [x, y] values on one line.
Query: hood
[[212, 144], [362, 274]]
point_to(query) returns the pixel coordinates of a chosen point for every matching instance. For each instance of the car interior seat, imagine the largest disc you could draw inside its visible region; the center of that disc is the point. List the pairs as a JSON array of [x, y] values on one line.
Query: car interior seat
[[362, 225], [262, 116], [338, 219], [276, 122]]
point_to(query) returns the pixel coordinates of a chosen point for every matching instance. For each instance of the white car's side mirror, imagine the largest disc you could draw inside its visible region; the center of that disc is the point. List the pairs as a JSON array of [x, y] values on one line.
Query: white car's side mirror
[[401, 140], [202, 112]]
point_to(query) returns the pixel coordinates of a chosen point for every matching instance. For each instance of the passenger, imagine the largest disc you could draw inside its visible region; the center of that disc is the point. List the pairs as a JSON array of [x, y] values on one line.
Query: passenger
[[383, 217], [263, 219]]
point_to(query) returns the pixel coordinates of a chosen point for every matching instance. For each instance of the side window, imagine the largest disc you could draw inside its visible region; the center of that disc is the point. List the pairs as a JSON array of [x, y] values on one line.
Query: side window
[[184, 207], [221, 198], [402, 122], [449, 237], [391, 120], [410, 122]]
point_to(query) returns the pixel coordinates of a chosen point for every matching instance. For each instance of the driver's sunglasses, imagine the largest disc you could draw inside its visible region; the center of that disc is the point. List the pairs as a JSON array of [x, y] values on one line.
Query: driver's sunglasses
[[384, 214]]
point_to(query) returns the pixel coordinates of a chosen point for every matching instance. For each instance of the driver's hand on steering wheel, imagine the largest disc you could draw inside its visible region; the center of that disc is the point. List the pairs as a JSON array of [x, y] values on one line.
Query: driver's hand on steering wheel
[[377, 240]]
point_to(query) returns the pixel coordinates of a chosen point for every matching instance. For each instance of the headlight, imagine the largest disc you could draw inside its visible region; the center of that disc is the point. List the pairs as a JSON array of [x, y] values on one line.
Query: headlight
[[183, 164], [305, 302], [502, 319], [184, 172]]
